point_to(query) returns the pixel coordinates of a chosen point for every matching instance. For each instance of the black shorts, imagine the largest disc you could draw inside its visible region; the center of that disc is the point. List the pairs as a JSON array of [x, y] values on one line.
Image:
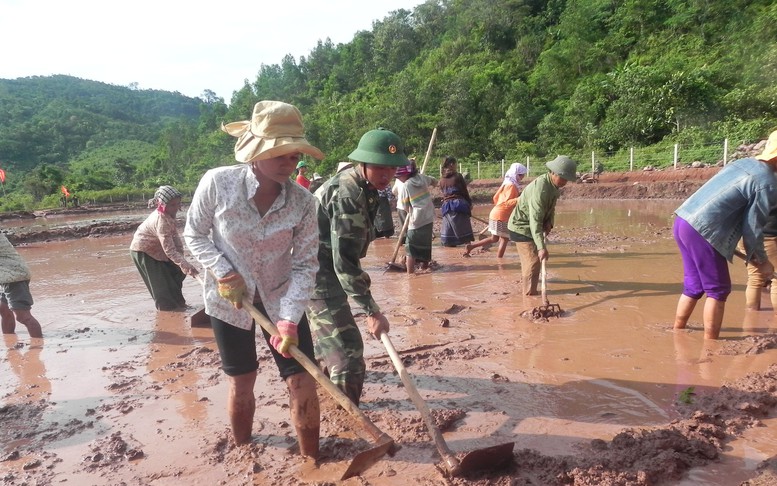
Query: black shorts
[[237, 347], [17, 295]]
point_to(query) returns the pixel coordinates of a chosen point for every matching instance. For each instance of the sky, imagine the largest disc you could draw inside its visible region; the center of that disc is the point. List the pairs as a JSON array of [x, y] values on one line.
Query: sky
[[173, 45]]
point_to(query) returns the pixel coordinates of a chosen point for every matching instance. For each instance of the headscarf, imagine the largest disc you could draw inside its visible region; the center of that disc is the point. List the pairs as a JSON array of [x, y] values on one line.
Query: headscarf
[[407, 170], [448, 168], [164, 195], [512, 176]]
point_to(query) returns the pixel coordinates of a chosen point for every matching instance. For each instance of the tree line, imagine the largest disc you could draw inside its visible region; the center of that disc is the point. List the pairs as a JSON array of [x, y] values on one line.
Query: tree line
[[500, 79]]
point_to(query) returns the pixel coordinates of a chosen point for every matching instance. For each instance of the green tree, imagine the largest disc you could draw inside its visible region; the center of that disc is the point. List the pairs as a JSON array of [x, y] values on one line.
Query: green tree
[[45, 179]]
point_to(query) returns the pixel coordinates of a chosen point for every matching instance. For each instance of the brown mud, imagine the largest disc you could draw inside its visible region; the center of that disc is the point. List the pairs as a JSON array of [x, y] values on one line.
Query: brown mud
[[117, 393], [63, 224]]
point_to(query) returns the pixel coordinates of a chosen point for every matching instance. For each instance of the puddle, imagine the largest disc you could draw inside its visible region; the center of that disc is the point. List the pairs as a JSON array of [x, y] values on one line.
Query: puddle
[[110, 362]]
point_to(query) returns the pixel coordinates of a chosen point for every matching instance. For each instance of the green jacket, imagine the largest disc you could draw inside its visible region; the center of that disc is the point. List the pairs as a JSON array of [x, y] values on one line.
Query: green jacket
[[346, 210], [536, 206]]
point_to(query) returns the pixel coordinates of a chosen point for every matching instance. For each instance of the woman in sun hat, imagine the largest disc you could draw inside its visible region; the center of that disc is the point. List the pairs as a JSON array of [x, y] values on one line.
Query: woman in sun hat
[[534, 216], [346, 214], [735, 203], [505, 199], [157, 251], [254, 230]]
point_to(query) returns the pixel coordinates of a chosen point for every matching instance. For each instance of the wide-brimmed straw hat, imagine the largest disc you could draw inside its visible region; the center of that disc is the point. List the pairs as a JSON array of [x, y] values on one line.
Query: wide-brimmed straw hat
[[770, 151], [275, 129]]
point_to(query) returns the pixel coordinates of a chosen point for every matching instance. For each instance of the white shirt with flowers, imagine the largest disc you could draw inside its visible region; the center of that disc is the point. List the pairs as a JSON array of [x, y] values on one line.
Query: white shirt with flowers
[[275, 253]]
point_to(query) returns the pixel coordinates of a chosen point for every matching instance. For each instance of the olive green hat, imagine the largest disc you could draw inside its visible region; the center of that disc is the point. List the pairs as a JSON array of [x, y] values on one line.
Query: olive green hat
[[380, 147], [563, 167]]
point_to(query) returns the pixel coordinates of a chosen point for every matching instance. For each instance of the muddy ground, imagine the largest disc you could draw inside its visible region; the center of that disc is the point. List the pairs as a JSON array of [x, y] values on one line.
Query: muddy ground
[[654, 184], [138, 414]]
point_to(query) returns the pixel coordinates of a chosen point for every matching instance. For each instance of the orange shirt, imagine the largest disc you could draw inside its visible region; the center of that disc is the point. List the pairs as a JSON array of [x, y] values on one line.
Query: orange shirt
[[505, 199], [303, 181]]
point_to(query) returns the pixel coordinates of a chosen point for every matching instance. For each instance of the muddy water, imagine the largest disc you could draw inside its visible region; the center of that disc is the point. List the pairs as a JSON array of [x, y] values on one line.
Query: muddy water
[[609, 363]]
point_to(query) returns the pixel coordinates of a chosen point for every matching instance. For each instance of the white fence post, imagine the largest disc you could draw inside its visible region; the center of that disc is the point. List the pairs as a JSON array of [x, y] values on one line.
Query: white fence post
[[676, 154], [528, 170], [478, 169], [631, 159], [593, 162], [725, 151], [503, 168]]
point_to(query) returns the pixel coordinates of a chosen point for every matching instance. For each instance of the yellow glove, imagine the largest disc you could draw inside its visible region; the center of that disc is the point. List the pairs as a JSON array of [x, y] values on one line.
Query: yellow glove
[[232, 287], [287, 331]]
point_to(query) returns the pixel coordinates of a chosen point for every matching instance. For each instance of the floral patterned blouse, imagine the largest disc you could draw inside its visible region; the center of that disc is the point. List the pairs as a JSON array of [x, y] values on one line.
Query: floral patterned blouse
[[275, 253]]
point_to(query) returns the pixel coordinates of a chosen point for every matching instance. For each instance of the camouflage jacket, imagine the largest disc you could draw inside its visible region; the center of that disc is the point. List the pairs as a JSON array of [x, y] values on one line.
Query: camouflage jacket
[[345, 211]]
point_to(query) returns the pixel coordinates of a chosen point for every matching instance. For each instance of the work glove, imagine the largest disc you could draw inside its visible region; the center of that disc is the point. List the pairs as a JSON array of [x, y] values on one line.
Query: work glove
[[287, 337], [232, 287]]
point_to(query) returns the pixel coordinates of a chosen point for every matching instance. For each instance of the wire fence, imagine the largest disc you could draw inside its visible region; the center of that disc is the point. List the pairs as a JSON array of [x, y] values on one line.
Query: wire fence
[[633, 159]]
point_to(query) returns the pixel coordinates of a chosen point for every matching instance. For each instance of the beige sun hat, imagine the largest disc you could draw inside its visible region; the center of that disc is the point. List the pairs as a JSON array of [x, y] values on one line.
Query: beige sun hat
[[344, 165], [275, 129], [770, 151]]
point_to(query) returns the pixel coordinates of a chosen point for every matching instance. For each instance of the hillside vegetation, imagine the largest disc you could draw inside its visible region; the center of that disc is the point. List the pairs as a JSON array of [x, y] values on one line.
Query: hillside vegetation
[[500, 79]]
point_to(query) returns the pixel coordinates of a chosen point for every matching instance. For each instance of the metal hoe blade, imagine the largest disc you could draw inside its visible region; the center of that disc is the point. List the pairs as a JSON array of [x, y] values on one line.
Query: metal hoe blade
[[546, 311], [365, 459], [488, 458]]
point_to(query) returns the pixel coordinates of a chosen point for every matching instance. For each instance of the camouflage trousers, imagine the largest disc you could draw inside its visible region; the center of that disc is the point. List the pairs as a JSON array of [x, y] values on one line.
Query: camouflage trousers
[[338, 343]]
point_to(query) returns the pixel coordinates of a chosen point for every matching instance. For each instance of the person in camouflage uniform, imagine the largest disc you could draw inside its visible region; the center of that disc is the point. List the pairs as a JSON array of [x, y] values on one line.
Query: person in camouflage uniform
[[347, 204]]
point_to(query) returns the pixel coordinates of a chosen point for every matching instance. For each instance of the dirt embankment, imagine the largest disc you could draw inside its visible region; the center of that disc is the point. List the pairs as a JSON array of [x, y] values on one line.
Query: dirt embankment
[[71, 230], [655, 184]]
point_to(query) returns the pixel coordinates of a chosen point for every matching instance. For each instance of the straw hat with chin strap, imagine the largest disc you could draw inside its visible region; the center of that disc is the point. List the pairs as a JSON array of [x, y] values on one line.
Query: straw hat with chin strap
[[275, 129]]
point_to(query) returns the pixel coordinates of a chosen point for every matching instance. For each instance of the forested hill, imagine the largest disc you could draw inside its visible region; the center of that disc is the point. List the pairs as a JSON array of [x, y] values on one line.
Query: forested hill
[[500, 79], [53, 119]]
